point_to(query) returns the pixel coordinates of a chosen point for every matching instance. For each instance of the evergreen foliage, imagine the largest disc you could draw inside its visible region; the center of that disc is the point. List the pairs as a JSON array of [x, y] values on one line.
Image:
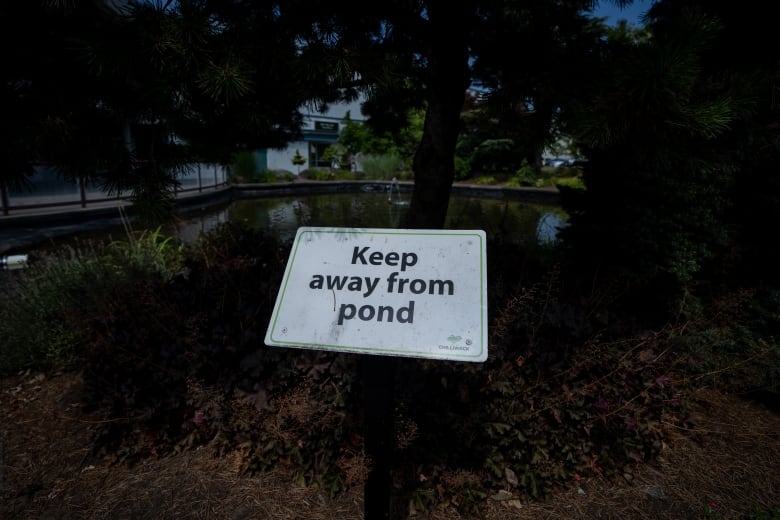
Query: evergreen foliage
[[658, 132], [298, 160], [126, 93]]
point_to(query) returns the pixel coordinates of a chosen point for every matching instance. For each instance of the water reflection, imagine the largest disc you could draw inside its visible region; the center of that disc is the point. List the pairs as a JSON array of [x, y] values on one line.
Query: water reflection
[[515, 221], [549, 225]]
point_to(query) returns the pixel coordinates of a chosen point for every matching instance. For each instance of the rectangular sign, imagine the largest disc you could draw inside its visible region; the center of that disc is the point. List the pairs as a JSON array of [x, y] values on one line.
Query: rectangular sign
[[326, 126], [394, 292]]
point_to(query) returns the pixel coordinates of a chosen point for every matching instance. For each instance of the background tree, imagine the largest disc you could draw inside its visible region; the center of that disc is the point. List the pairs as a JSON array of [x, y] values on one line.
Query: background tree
[[127, 93], [360, 139], [744, 59], [201, 72], [673, 127], [38, 85], [529, 66], [421, 55]]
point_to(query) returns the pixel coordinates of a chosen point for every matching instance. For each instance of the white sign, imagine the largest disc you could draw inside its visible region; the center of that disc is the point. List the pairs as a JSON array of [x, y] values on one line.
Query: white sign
[[394, 292]]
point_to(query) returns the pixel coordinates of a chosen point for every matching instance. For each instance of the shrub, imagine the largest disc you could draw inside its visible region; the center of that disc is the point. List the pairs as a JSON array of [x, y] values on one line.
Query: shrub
[[570, 182], [732, 342], [47, 309], [462, 169], [383, 167], [269, 176], [321, 174], [147, 252], [170, 340], [496, 155], [35, 309], [244, 167], [486, 180], [553, 401], [527, 174], [181, 362]]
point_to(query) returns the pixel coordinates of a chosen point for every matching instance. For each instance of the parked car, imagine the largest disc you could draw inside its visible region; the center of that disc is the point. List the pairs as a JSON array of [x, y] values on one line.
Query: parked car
[[556, 162]]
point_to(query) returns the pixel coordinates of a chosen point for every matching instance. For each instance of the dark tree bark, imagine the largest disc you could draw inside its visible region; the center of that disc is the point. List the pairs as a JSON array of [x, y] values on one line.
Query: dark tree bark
[[434, 168]]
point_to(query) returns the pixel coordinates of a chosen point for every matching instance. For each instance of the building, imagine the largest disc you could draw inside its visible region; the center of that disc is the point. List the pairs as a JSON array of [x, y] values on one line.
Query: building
[[320, 130], [47, 188]]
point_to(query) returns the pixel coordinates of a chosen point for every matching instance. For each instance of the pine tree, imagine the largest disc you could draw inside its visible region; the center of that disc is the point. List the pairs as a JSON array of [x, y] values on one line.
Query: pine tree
[[658, 173]]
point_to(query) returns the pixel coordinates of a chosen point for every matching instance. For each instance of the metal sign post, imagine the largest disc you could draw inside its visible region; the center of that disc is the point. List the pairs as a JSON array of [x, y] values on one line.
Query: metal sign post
[[379, 431]]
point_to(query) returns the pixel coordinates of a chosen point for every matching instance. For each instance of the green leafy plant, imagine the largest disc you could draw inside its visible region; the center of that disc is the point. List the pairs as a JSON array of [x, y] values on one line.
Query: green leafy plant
[[526, 175], [46, 310], [772, 513], [166, 338], [178, 361], [35, 309], [486, 179], [462, 169], [496, 155], [321, 174], [569, 182], [384, 166], [147, 251], [340, 155], [244, 167]]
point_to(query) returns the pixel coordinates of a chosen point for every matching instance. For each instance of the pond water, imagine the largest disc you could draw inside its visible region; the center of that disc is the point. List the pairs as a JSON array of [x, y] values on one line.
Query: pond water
[[512, 220]]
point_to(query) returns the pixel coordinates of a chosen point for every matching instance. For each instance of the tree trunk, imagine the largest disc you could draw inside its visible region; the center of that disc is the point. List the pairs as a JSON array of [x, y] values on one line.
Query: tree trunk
[[434, 159]]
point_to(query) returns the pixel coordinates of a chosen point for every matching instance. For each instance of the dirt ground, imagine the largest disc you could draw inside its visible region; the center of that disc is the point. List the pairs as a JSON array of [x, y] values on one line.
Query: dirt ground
[[727, 467]]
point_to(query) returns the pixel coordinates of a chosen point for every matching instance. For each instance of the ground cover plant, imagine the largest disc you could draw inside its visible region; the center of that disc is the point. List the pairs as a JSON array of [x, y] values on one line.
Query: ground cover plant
[[168, 342]]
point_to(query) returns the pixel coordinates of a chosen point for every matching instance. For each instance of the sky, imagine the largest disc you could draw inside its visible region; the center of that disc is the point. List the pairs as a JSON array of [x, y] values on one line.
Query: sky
[[632, 13]]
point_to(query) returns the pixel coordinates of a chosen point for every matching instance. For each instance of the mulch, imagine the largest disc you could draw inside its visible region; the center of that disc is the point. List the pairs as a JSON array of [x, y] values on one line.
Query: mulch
[[724, 465]]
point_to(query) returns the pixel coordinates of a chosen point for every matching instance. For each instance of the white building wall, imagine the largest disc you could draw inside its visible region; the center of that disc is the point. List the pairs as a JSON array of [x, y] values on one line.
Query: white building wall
[[281, 158]]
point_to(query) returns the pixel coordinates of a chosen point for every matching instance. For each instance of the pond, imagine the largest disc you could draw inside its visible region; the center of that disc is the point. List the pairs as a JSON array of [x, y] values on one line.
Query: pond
[[511, 218], [281, 216]]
